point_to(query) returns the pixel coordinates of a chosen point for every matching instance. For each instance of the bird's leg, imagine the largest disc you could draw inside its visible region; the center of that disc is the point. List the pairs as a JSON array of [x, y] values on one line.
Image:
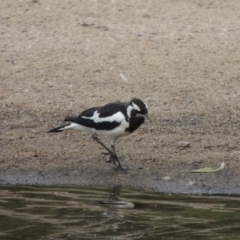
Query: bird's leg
[[112, 154], [116, 157]]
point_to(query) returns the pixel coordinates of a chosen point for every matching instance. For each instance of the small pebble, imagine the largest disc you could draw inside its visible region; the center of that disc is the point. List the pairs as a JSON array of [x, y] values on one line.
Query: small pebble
[[183, 144]]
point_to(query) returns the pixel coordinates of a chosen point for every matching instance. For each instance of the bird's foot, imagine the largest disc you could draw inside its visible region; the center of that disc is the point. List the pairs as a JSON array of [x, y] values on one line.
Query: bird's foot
[[119, 168], [114, 159], [111, 159]]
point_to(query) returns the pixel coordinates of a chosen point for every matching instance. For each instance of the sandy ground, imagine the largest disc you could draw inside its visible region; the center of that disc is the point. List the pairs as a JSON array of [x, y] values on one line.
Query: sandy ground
[[181, 57]]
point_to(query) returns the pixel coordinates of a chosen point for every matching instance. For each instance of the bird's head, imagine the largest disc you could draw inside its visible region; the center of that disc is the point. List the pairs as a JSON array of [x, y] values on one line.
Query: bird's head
[[137, 107]]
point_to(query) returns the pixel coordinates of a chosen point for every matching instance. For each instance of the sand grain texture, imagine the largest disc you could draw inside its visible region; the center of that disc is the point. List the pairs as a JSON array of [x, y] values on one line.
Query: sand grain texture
[[181, 57]]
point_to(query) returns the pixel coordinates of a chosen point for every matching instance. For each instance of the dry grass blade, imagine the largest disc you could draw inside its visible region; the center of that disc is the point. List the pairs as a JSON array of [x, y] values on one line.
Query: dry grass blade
[[209, 169]]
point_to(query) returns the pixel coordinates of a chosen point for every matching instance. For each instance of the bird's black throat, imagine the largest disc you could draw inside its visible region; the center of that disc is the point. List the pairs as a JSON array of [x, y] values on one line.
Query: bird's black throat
[[135, 123]]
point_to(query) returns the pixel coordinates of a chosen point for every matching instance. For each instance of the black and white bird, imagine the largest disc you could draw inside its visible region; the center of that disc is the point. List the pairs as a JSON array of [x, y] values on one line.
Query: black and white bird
[[113, 120]]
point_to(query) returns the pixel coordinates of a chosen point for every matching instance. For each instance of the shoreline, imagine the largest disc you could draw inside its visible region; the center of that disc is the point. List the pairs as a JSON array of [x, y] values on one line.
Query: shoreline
[[195, 187]]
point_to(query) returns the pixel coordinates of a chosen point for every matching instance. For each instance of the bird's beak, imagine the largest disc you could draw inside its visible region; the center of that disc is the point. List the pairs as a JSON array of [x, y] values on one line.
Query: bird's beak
[[146, 115]]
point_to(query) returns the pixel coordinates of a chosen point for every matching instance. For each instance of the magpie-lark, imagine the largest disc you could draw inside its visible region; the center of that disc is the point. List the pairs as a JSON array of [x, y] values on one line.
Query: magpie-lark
[[113, 120]]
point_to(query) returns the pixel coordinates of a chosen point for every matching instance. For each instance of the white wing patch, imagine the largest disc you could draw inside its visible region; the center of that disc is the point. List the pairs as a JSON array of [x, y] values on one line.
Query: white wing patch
[[117, 117]]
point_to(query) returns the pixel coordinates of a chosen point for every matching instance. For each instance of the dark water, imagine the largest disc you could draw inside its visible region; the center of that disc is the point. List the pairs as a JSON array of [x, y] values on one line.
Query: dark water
[[104, 213]]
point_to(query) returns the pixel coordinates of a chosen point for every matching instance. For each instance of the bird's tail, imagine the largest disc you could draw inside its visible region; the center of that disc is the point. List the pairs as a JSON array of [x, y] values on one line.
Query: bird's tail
[[73, 124], [61, 128]]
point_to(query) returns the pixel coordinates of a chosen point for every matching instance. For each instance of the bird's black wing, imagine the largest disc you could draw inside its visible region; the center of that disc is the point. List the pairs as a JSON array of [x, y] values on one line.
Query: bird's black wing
[[104, 112], [80, 119], [112, 108], [89, 112]]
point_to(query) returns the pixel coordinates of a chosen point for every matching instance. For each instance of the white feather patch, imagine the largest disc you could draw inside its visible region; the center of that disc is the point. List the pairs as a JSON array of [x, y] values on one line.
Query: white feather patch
[[146, 105], [129, 110], [136, 107], [117, 117], [116, 132], [76, 126]]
